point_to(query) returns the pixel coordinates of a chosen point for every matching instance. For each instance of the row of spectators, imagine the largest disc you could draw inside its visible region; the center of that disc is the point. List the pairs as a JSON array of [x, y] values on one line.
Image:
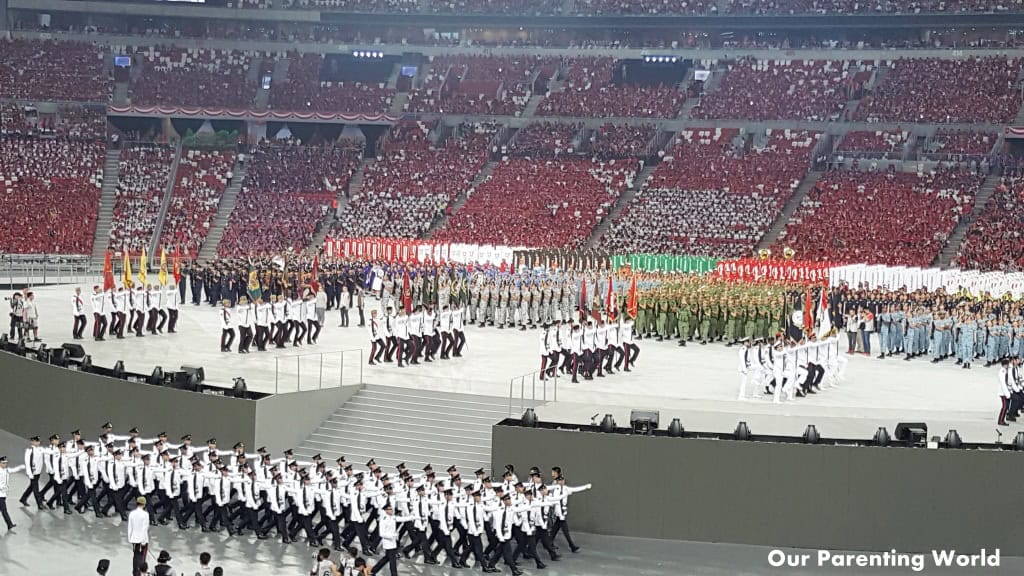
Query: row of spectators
[[465, 84], [413, 181], [304, 91], [755, 89], [287, 191], [939, 90], [890, 217], [49, 195], [199, 185], [948, 143], [590, 91], [142, 177], [642, 7], [51, 70], [172, 75], [715, 193]]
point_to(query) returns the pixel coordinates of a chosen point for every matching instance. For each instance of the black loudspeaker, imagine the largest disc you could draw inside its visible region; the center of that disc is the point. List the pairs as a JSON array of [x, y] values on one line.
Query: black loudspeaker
[[882, 437], [86, 365], [118, 370], [912, 432], [608, 423], [675, 428], [73, 350], [4, 342], [197, 371], [42, 353], [239, 390], [811, 434], [59, 357], [183, 381], [742, 431], [157, 377], [529, 419], [953, 439], [643, 421]]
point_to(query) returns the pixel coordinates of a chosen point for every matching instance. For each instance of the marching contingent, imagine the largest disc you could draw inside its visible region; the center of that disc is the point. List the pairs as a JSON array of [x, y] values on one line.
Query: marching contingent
[[412, 513]]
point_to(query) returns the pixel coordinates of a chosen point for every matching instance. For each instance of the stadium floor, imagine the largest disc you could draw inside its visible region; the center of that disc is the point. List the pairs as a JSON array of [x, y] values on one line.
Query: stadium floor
[[697, 384]]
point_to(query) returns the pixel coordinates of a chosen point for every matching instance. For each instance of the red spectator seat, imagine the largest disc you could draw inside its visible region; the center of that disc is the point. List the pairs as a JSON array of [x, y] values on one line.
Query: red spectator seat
[[303, 91], [198, 187], [51, 70], [194, 77], [499, 85], [995, 241], [590, 92], [143, 172]]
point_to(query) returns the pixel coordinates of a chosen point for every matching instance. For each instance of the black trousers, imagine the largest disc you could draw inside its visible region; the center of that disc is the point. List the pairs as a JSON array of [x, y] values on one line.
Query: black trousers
[[460, 342], [138, 557], [389, 352], [151, 322], [444, 542], [418, 542], [171, 506], [33, 489], [139, 317], [172, 319], [261, 337], [475, 546], [377, 350], [354, 530], [504, 551], [328, 525], [99, 325], [162, 315], [3, 511], [344, 317], [390, 559], [563, 527], [314, 331], [300, 331], [447, 342], [527, 547], [79, 327], [227, 338], [194, 507]]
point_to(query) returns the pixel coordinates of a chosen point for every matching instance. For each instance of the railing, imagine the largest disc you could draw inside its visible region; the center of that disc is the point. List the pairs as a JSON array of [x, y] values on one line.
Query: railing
[[34, 269], [533, 380], [318, 370]]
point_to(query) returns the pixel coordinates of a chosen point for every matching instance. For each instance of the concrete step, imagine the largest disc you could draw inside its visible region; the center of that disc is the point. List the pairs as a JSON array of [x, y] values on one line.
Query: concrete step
[[483, 402], [349, 429], [411, 409], [792, 205], [385, 442], [341, 421], [389, 461], [397, 454]]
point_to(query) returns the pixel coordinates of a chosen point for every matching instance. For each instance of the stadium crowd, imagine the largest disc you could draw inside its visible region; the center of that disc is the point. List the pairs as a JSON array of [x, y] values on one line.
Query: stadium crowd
[[142, 177], [590, 92], [198, 187]]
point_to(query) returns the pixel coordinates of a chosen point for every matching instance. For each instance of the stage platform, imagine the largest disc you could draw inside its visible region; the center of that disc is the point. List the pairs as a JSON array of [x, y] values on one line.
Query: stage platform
[[697, 384]]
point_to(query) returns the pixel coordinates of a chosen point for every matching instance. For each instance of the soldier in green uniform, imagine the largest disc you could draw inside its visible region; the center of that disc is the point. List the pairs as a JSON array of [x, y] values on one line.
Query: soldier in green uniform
[[683, 321]]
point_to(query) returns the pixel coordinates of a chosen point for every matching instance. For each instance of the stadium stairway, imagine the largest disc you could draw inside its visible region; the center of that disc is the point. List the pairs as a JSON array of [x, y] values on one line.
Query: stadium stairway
[[620, 204], [105, 212], [355, 184], [154, 243], [415, 426], [952, 247], [224, 209], [779, 225], [531, 105], [461, 200], [398, 103]]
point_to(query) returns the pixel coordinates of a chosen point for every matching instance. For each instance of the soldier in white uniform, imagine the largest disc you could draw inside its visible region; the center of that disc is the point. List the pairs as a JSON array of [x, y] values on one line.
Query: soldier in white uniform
[[99, 315], [121, 309], [171, 302], [227, 326], [377, 344], [78, 314]]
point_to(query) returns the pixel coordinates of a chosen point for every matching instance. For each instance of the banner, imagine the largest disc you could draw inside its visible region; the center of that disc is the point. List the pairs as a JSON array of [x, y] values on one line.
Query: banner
[[971, 282], [664, 263], [757, 270], [416, 251]]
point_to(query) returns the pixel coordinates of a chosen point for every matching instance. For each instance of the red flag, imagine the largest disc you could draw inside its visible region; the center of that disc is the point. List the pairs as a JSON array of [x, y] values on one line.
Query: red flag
[[583, 302], [808, 313], [108, 272], [406, 293], [315, 280], [177, 265], [609, 301], [632, 308]]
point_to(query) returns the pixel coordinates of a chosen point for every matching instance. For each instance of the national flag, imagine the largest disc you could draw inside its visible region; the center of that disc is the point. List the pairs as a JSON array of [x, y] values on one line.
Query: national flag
[[142, 267], [406, 293], [314, 281], [108, 271], [176, 272], [254, 284], [162, 274], [127, 272], [632, 307], [824, 319]]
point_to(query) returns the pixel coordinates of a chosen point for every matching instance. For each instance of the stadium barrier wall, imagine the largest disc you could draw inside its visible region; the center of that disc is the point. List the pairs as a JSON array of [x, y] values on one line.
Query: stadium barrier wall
[[41, 399], [780, 495]]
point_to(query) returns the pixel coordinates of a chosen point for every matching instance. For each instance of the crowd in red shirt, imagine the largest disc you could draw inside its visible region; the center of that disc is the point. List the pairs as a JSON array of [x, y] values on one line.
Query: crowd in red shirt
[[49, 195], [470, 84], [995, 241], [50, 70], [885, 217]]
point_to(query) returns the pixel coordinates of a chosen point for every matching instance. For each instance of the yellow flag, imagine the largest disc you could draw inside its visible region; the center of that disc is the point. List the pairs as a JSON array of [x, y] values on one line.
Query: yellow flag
[[127, 279], [163, 267], [142, 267]]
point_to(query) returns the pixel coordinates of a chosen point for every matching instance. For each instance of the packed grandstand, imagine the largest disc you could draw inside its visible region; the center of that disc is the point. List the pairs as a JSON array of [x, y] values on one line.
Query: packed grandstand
[[125, 134]]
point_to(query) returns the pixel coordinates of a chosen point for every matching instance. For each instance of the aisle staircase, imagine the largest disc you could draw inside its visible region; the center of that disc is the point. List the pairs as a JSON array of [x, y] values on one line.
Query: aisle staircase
[[105, 213], [165, 204], [224, 209], [952, 247], [620, 204], [415, 426], [461, 200], [789, 209]]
